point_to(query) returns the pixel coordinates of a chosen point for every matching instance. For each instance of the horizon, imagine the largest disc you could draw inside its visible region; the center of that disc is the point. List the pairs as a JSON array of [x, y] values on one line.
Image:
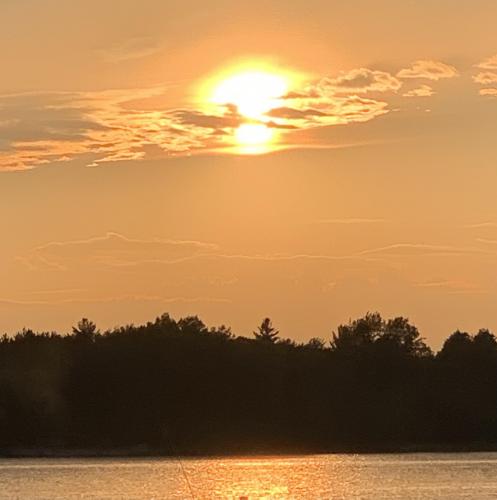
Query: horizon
[[325, 342]]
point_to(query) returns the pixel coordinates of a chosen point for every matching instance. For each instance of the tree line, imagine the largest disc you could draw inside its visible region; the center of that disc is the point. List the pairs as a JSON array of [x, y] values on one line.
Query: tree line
[[178, 387]]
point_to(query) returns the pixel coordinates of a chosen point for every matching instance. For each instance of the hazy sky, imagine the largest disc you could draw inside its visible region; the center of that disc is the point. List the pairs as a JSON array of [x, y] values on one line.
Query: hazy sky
[[123, 193]]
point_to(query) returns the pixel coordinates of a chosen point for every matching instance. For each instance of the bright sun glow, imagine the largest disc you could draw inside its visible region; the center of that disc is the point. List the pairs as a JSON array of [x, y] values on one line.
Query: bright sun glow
[[253, 137], [254, 91]]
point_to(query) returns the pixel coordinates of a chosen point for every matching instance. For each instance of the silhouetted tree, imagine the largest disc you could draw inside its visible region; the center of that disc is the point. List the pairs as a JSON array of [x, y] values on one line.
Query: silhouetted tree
[[316, 343], [266, 332], [398, 332], [165, 322], [457, 347], [223, 332], [358, 334], [85, 329], [372, 332], [485, 343], [377, 387], [191, 324]]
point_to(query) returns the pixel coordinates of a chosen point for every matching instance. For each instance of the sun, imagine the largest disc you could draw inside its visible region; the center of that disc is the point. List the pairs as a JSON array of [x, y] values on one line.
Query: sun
[[254, 138], [253, 91]]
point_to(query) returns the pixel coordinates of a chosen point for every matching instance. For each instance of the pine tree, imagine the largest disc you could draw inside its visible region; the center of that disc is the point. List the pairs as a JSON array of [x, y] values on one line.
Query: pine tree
[[85, 329], [266, 332]]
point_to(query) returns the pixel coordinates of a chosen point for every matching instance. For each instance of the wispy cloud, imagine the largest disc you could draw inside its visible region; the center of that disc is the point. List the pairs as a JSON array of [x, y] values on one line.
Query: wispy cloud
[[37, 129], [422, 91], [421, 249], [111, 249], [40, 128], [351, 220], [114, 251], [315, 110], [360, 80], [481, 225], [129, 124], [486, 240], [429, 70], [485, 78], [452, 286], [109, 299], [489, 63], [133, 48], [488, 92], [61, 291]]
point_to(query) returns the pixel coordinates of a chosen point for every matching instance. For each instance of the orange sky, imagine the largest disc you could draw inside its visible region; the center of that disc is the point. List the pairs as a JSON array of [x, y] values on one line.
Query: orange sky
[[124, 191]]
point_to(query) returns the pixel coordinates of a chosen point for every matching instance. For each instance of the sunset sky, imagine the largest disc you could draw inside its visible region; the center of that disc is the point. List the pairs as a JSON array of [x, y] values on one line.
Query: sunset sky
[[307, 160]]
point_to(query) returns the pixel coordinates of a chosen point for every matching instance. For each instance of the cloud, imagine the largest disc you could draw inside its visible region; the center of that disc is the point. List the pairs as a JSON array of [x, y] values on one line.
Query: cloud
[[317, 110], [360, 80], [336, 100], [112, 249], [430, 70], [110, 125], [38, 128], [281, 257], [295, 114], [130, 124], [422, 91], [452, 286], [490, 63], [479, 225], [487, 241], [488, 92], [488, 77], [421, 249], [110, 299], [229, 119], [121, 125], [133, 48], [485, 78], [61, 291], [351, 220]]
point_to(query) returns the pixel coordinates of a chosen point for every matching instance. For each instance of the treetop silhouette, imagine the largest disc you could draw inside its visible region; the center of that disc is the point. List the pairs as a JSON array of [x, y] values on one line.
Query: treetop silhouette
[[375, 386], [266, 332]]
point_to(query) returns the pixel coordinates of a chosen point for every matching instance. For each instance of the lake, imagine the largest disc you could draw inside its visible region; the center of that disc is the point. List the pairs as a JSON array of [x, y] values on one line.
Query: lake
[[403, 476]]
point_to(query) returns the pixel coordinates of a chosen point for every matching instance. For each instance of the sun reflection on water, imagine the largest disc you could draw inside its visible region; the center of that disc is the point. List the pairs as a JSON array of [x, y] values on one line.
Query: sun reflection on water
[[419, 476]]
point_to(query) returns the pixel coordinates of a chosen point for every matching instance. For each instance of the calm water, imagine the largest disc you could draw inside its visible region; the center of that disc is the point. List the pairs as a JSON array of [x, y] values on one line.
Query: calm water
[[423, 476]]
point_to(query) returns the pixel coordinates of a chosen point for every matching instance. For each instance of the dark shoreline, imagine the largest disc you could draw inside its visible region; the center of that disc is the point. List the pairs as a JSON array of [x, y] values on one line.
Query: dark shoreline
[[147, 452], [178, 388]]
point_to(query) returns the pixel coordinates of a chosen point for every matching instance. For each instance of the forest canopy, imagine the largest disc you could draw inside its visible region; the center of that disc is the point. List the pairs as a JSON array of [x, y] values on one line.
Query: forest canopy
[[176, 386]]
